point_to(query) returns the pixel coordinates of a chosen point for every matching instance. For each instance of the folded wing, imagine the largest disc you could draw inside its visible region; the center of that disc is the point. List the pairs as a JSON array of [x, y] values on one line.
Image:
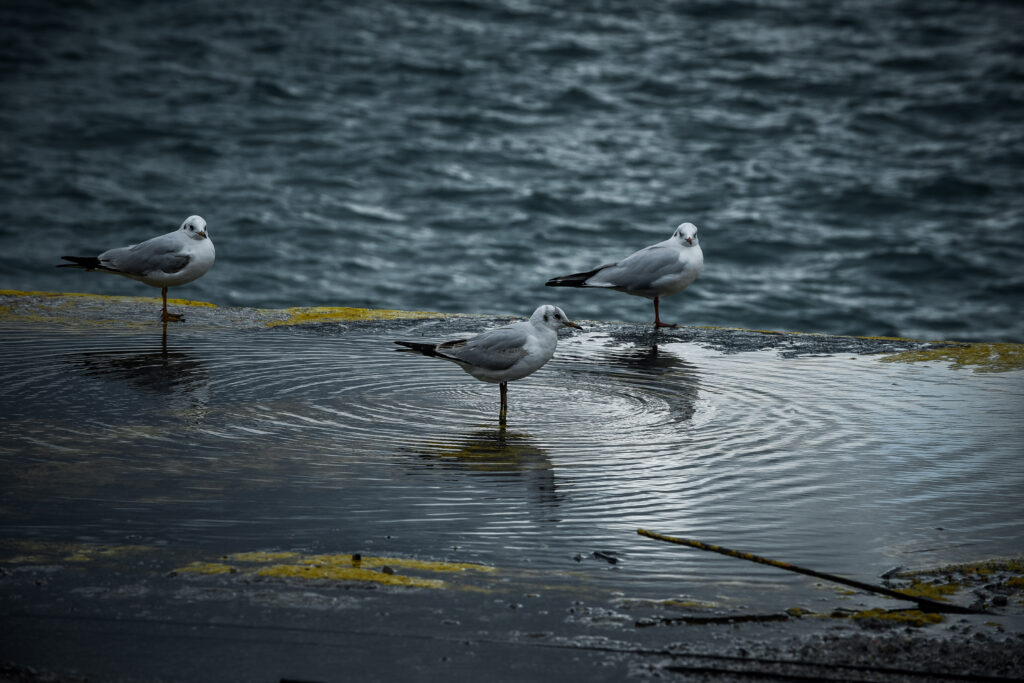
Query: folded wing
[[494, 350], [639, 272], [163, 254]]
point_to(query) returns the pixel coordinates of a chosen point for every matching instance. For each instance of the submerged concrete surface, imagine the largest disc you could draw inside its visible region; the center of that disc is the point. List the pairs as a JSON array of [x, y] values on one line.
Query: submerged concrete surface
[[170, 516], [124, 312], [92, 309]]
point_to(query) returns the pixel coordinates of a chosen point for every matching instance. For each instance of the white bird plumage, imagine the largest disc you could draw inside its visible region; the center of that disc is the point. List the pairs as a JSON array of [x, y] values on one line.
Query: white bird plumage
[[503, 354], [653, 272], [169, 260]]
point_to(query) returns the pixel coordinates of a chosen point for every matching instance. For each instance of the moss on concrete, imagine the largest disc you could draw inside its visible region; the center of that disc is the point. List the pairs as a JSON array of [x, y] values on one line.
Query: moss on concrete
[[983, 357], [20, 552], [328, 314], [989, 581], [979, 570], [933, 590], [107, 297], [333, 573], [262, 556], [909, 617], [88, 309], [405, 563], [65, 307], [336, 567], [208, 568]]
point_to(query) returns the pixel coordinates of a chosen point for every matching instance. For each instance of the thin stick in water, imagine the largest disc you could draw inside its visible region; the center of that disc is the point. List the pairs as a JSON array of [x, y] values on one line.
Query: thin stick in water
[[926, 604]]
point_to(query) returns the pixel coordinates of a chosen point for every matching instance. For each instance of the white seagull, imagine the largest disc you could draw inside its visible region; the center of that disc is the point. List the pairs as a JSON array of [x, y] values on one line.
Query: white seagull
[[504, 353], [653, 272], [166, 261]]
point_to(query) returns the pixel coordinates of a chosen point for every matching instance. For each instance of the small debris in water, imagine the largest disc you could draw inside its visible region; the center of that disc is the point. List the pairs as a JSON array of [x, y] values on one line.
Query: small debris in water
[[889, 573]]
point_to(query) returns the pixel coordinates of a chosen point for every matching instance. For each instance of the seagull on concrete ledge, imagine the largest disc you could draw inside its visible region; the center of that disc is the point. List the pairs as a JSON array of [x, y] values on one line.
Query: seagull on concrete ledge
[[505, 353], [653, 272], [166, 261]]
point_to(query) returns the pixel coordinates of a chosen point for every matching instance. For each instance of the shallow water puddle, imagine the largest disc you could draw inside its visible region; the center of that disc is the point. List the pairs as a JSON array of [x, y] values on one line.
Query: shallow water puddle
[[324, 439]]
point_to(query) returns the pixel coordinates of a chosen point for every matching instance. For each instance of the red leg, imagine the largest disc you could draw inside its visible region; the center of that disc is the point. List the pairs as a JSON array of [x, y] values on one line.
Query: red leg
[[165, 316], [657, 318]]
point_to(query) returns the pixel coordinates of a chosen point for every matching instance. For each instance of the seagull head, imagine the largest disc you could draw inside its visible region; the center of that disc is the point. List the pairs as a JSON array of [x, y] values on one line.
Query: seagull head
[[687, 234], [195, 227], [552, 317]]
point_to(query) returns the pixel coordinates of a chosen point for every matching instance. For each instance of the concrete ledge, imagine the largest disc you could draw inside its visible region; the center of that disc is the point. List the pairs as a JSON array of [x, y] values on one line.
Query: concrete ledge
[[69, 308]]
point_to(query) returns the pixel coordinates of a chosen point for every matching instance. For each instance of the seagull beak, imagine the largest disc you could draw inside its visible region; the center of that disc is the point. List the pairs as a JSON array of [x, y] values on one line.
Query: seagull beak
[[569, 323], [202, 233], [689, 241]]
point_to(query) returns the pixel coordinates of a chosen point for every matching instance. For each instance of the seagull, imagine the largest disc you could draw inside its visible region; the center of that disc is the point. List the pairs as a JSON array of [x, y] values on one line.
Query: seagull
[[166, 261], [653, 272], [504, 353]]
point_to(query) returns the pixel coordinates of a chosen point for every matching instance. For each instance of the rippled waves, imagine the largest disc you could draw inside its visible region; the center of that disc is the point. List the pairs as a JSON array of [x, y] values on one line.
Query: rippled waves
[[288, 436], [853, 168]]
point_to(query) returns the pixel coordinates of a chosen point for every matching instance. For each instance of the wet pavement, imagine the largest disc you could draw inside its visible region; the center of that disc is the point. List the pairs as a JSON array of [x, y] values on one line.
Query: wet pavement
[[267, 495]]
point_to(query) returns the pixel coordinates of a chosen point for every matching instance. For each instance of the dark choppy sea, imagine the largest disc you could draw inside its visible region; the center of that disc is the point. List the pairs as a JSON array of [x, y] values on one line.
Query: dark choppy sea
[[853, 167]]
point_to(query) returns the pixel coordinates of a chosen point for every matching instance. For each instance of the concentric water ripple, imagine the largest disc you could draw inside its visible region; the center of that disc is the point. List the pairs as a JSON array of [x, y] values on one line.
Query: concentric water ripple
[[288, 436]]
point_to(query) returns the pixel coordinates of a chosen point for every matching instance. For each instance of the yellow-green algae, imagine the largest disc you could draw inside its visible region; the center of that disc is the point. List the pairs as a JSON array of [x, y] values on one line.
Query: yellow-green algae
[[405, 563], [37, 552], [933, 590], [330, 573], [207, 568], [344, 559], [952, 579], [106, 297], [60, 307], [983, 357], [982, 569], [62, 302], [910, 617], [327, 314], [262, 556], [339, 567]]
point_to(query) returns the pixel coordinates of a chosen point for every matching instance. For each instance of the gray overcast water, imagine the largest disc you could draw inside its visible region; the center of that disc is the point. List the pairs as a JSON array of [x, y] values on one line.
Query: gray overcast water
[[853, 167]]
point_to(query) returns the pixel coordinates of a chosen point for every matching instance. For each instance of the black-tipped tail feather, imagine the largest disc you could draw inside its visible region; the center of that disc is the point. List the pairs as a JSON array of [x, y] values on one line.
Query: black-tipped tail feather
[[576, 279], [419, 347], [87, 262], [434, 350]]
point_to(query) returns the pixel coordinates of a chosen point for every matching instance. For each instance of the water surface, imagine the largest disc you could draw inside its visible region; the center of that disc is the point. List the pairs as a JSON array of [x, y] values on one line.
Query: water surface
[[854, 168], [323, 438]]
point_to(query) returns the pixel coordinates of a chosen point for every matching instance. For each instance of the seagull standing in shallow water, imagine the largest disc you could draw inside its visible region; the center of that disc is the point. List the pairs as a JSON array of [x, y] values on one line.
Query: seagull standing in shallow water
[[653, 272], [166, 261], [505, 353]]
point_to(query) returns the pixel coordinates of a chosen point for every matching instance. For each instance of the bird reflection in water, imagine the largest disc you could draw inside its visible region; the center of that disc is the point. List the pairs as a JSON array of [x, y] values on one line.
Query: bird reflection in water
[[650, 360], [499, 454], [160, 371], [644, 364]]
